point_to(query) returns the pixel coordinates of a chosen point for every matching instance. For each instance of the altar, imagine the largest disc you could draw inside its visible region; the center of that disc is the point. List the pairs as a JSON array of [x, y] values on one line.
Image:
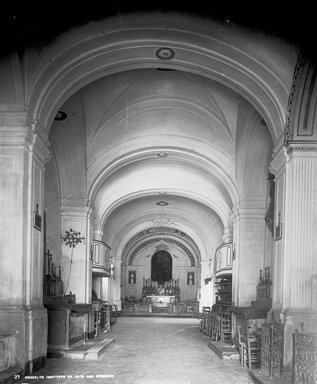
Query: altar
[[160, 301], [155, 292]]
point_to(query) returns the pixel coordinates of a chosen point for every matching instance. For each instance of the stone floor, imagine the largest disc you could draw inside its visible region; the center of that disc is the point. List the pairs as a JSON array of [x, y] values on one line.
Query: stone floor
[[149, 351]]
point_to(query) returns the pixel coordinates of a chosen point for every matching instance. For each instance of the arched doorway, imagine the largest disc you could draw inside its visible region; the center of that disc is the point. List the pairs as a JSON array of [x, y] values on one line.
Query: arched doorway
[[161, 266]]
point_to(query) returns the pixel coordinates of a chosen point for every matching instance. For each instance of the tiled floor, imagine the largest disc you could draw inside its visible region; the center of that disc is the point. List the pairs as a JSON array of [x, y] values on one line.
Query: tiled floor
[[149, 351]]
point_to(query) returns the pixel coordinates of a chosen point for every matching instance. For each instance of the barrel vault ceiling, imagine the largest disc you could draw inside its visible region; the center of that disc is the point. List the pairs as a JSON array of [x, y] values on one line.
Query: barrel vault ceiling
[[160, 148]]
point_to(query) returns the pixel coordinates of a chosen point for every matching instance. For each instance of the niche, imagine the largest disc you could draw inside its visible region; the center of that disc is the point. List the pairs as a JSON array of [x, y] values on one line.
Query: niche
[[161, 267]]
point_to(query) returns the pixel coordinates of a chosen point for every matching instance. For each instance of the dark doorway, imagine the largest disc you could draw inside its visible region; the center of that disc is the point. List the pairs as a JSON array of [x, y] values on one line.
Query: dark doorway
[[161, 267]]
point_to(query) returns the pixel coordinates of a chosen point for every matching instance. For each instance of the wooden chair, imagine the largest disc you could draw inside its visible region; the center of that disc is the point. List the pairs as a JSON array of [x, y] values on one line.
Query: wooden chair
[[225, 327], [204, 319], [242, 347], [253, 347]]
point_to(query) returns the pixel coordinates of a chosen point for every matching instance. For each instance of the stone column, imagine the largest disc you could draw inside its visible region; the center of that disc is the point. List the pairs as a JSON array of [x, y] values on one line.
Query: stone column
[[75, 261], [23, 153], [249, 239], [295, 267]]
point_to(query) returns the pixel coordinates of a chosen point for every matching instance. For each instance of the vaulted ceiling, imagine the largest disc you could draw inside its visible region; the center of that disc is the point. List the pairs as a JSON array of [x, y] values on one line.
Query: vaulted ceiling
[[161, 148]]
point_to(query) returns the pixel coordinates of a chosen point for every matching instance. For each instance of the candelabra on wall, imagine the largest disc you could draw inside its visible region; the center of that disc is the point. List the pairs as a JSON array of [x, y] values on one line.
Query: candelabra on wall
[[73, 238]]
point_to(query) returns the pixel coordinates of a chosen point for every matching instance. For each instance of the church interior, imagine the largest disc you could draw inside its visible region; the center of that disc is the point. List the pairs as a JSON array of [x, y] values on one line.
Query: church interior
[[159, 163]]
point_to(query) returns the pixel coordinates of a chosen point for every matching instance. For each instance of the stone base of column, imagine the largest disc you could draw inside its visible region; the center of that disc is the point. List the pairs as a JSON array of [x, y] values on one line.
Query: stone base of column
[[292, 320], [26, 331]]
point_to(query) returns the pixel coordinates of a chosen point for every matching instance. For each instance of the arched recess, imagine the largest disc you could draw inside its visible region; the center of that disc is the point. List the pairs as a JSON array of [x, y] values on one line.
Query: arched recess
[[167, 240], [161, 266], [219, 52], [138, 255]]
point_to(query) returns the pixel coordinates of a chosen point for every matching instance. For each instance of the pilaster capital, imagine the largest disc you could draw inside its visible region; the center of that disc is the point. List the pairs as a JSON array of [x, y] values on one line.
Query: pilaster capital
[[301, 149], [249, 209], [15, 133], [73, 210]]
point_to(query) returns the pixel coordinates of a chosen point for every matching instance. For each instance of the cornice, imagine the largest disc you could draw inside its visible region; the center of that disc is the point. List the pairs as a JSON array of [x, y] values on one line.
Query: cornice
[[302, 146], [246, 209], [75, 208], [292, 100], [13, 136], [25, 136]]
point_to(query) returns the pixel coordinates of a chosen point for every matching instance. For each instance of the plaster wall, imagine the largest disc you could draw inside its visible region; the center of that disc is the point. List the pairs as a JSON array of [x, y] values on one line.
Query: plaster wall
[[76, 270], [180, 267], [53, 212]]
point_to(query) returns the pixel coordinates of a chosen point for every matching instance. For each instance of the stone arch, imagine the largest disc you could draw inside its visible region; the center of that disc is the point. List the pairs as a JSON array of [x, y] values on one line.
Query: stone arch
[[167, 240], [221, 53]]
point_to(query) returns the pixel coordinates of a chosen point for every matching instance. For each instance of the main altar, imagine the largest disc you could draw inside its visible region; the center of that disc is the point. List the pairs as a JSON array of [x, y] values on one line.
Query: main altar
[[160, 298], [156, 292]]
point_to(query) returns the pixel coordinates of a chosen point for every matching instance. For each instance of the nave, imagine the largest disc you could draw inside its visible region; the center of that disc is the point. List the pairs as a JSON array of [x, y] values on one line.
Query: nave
[[150, 350]]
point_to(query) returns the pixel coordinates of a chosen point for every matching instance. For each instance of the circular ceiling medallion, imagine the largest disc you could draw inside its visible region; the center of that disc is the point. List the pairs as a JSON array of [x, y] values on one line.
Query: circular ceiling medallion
[[162, 203], [60, 115], [161, 154], [165, 53]]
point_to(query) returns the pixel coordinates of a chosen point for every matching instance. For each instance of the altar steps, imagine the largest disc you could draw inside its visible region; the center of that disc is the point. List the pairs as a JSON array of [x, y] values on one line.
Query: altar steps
[[160, 314], [160, 309], [92, 350]]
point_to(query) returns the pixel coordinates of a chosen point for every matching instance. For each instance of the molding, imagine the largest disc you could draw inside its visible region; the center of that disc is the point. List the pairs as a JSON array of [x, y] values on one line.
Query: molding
[[302, 146], [25, 136], [279, 161], [210, 165], [74, 211], [302, 105], [159, 240], [293, 97], [92, 57], [13, 119], [13, 136]]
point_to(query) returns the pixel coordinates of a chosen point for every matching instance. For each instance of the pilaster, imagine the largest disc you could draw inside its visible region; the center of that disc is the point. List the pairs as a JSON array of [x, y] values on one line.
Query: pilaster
[[23, 153], [75, 261], [295, 267], [249, 239]]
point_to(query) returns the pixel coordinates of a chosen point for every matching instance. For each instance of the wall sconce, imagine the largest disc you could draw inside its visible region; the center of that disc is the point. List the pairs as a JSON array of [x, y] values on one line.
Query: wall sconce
[[278, 228], [73, 238]]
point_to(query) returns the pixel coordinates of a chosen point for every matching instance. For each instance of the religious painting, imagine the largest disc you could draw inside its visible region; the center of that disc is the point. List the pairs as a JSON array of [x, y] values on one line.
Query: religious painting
[[269, 217], [190, 278], [37, 220], [132, 277]]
